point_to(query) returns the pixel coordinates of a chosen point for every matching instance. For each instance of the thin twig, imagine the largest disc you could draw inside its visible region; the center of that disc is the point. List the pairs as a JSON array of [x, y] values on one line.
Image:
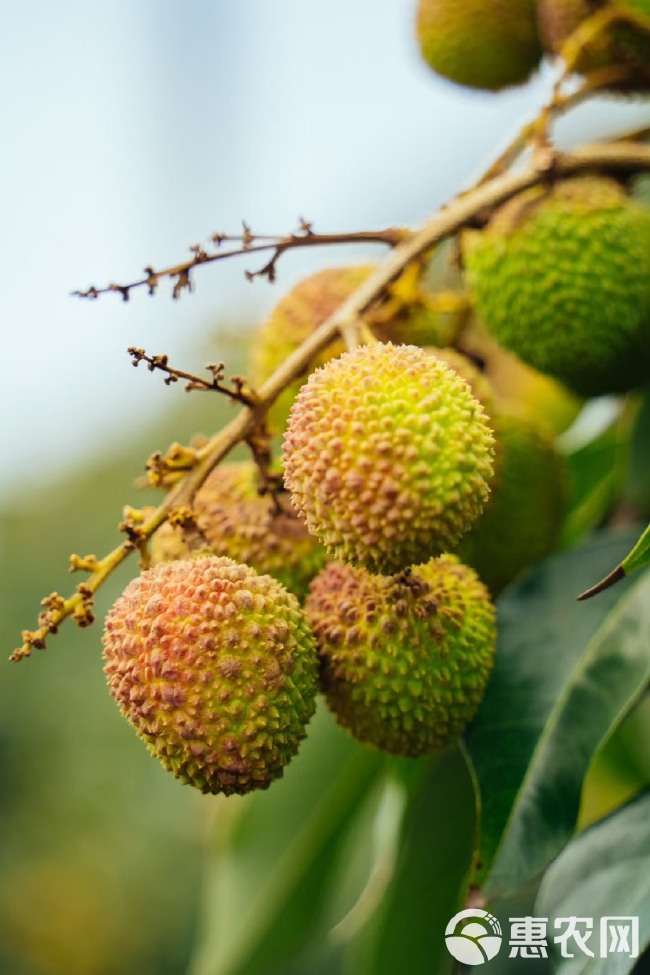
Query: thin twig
[[237, 392], [279, 245], [617, 157]]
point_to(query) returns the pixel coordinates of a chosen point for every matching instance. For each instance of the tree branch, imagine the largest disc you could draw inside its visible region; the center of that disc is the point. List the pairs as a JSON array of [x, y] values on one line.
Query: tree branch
[[305, 237], [618, 157]]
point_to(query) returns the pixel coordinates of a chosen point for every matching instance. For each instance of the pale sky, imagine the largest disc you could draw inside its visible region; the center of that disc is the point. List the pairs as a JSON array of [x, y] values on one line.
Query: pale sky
[[134, 128]]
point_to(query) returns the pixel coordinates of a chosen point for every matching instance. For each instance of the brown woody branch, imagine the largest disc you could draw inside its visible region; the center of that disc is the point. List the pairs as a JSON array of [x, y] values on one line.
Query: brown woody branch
[[618, 157], [237, 391]]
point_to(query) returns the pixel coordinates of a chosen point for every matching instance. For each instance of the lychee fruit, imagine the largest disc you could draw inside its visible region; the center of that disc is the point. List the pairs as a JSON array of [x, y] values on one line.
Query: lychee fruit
[[388, 456], [518, 389], [561, 277], [480, 43], [232, 518], [215, 668], [405, 659], [475, 378], [523, 518]]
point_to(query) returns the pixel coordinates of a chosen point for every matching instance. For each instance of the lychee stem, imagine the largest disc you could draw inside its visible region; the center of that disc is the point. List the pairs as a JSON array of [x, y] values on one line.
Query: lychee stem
[[616, 157]]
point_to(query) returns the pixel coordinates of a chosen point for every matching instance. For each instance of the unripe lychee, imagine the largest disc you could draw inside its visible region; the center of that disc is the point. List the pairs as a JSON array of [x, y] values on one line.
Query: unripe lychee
[[232, 518], [523, 517], [480, 43], [404, 659], [561, 276], [215, 668], [518, 389], [388, 456], [619, 44]]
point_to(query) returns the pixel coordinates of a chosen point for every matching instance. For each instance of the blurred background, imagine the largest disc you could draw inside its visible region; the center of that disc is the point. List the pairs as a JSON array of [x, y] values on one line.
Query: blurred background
[[133, 130]]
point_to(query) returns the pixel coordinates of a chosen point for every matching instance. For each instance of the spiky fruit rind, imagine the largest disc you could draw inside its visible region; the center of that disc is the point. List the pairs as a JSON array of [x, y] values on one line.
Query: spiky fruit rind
[[404, 659], [479, 44], [388, 456], [265, 533], [293, 319], [562, 278], [523, 518], [477, 380], [619, 44], [215, 668], [231, 518]]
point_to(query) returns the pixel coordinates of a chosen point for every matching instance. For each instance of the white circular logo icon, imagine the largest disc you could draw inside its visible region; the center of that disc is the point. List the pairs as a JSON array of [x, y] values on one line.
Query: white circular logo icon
[[473, 936]]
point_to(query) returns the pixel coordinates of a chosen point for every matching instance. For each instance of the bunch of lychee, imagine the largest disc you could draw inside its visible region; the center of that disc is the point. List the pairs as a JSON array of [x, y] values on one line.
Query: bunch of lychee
[[492, 44], [419, 482], [388, 458]]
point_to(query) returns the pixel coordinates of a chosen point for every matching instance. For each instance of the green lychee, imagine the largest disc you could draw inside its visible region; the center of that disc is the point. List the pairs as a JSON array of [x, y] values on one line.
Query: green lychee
[[523, 517], [405, 659], [215, 668], [624, 45], [388, 456], [232, 518], [518, 389], [480, 43], [561, 277]]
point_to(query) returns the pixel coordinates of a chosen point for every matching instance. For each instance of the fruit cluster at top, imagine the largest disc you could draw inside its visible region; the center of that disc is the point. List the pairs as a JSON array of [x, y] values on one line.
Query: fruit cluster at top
[[499, 43]]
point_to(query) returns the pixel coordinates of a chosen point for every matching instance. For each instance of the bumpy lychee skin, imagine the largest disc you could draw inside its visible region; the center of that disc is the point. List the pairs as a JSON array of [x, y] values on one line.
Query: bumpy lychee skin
[[523, 517], [231, 518], [215, 668], [620, 44], [480, 43], [561, 277], [477, 381], [388, 456], [404, 659]]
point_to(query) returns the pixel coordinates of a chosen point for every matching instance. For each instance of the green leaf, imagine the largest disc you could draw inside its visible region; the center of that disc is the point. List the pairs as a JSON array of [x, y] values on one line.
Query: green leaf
[[597, 471], [275, 855], [638, 481], [430, 881], [640, 554], [566, 674], [604, 872]]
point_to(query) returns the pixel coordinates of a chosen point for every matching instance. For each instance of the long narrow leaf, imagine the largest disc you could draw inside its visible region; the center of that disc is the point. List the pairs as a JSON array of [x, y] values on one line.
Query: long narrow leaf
[[566, 675], [429, 883], [274, 854]]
